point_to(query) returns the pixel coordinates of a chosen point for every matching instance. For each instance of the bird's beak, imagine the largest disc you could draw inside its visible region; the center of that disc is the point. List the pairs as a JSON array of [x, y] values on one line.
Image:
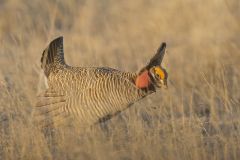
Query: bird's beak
[[164, 82]]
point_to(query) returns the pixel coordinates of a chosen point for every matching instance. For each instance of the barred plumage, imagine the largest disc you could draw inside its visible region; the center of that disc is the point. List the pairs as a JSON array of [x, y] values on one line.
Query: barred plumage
[[92, 94]]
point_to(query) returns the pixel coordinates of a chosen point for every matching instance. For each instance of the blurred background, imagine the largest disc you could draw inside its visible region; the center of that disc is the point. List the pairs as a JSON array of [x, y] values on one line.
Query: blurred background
[[196, 118]]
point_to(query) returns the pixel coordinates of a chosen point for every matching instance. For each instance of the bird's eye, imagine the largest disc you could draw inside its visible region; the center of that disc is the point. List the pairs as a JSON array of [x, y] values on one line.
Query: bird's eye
[[158, 76]]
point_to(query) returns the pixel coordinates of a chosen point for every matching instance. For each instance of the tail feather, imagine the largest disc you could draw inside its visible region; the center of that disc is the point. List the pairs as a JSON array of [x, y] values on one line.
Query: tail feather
[[53, 56]]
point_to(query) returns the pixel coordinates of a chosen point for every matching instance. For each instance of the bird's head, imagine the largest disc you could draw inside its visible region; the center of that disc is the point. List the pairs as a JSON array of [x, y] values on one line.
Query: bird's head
[[153, 74], [159, 76]]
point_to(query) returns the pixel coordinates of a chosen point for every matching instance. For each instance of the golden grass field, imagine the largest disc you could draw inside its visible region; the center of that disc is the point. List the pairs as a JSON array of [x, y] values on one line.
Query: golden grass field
[[198, 117]]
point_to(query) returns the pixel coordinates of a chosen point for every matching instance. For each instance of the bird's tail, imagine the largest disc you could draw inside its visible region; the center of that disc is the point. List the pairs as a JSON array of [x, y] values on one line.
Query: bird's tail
[[53, 56]]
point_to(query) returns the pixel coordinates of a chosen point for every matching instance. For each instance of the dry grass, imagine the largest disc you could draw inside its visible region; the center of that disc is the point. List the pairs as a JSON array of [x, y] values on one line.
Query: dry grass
[[197, 118]]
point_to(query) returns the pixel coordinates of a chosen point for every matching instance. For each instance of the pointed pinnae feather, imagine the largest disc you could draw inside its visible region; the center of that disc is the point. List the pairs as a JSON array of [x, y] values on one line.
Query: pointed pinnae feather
[[158, 57]]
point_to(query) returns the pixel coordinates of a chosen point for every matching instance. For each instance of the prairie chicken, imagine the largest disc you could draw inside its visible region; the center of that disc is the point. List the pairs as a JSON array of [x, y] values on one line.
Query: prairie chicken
[[93, 94]]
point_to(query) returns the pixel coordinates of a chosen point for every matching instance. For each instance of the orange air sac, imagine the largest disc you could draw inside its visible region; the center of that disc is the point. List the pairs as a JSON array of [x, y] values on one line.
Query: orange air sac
[[143, 80]]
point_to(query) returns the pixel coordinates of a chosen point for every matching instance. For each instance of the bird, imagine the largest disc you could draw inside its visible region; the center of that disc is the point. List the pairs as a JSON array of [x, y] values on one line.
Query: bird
[[89, 95]]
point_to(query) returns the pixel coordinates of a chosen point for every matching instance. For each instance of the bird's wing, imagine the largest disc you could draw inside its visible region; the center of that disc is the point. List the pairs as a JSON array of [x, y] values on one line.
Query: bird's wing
[[104, 98], [50, 108]]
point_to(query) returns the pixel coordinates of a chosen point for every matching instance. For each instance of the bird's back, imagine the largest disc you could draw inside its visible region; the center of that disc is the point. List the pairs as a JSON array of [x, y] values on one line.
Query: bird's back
[[68, 78]]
